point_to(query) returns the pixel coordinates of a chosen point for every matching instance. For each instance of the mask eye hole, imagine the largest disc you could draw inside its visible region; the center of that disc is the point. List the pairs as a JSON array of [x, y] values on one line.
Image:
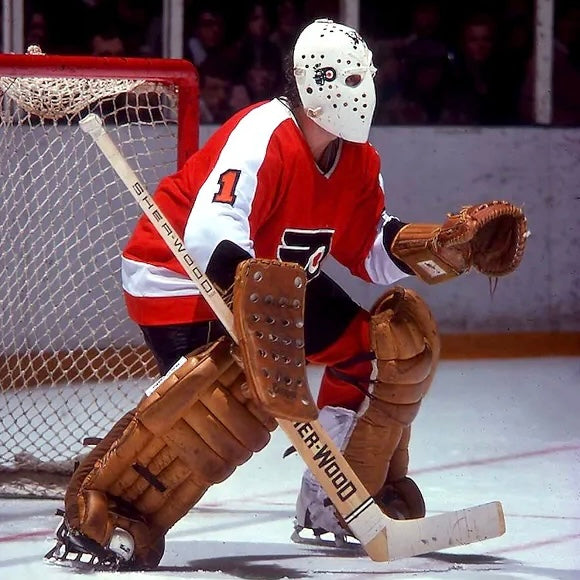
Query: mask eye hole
[[353, 80]]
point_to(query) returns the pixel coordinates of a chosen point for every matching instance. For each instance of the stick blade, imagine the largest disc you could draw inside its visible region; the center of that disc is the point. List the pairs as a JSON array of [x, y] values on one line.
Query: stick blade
[[407, 538]]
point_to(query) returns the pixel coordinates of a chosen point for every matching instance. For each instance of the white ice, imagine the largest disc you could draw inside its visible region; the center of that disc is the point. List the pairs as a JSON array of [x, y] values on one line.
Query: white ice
[[502, 429]]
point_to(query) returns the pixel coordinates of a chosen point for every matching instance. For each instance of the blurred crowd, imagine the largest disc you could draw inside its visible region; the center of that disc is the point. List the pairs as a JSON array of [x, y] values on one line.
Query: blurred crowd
[[440, 62]]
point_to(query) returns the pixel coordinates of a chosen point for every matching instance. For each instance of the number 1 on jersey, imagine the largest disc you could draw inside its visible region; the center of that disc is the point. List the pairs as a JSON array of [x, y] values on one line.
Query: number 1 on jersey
[[228, 181]]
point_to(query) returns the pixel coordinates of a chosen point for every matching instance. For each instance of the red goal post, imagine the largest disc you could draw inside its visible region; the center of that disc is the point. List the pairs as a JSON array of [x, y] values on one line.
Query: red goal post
[[70, 361]]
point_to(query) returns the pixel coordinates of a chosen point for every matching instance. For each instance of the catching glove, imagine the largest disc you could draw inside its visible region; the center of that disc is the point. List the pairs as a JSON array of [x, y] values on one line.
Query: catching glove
[[489, 237]]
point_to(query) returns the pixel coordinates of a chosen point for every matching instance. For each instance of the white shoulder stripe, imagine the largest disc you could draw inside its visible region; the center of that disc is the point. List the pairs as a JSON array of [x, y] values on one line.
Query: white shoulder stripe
[[210, 223], [145, 280], [246, 148]]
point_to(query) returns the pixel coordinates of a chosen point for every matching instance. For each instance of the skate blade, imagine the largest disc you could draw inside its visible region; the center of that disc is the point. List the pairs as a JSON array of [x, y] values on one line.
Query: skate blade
[[76, 561], [64, 557], [307, 537]]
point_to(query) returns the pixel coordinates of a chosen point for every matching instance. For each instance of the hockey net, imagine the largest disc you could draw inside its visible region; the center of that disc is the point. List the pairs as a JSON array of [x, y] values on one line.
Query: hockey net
[[71, 363]]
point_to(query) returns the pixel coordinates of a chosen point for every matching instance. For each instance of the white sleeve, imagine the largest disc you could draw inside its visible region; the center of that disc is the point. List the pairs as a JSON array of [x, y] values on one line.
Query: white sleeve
[[379, 265], [212, 222]]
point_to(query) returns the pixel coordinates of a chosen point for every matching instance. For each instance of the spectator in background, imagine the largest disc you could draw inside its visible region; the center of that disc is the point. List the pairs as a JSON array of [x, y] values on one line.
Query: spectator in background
[[516, 44], [255, 43], [36, 31], [425, 22], [153, 34], [44, 22], [288, 23], [479, 79], [207, 37], [263, 79], [565, 72], [322, 9], [219, 96], [425, 25], [388, 80], [106, 40], [258, 58], [424, 98], [107, 44], [134, 17], [412, 70], [123, 25]]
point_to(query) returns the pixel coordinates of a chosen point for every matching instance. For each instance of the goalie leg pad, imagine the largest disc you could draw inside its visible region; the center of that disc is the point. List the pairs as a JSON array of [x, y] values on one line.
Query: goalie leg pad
[[406, 343], [192, 430], [375, 440]]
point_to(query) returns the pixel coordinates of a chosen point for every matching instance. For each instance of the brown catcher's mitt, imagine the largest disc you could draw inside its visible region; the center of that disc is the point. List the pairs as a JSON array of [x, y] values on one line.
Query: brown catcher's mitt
[[490, 237]]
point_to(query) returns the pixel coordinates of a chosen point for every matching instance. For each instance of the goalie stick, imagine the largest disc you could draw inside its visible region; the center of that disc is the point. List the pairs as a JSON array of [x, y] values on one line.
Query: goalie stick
[[383, 538]]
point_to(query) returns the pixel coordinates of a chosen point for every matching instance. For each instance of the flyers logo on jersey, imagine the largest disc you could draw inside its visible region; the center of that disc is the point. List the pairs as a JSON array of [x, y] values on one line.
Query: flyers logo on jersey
[[305, 247]]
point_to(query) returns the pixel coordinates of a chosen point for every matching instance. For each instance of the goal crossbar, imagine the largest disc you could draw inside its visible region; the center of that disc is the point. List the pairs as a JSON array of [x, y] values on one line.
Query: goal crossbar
[[180, 72]]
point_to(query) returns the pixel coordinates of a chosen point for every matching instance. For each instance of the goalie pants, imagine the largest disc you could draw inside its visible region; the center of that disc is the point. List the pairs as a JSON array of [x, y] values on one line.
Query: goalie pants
[[336, 332]]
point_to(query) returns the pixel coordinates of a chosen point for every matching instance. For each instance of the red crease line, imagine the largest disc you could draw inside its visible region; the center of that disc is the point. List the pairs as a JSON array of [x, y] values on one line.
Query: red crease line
[[499, 459], [532, 545], [24, 536]]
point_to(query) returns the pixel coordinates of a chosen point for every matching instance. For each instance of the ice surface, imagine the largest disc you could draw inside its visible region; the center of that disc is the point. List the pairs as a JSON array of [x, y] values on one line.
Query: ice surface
[[504, 429]]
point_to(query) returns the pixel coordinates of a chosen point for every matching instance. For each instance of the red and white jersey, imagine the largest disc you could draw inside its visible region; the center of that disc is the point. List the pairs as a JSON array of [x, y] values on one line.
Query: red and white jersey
[[256, 183]]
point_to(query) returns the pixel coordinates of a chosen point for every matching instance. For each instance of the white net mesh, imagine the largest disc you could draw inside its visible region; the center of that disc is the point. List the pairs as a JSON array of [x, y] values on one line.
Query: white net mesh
[[45, 96], [69, 357]]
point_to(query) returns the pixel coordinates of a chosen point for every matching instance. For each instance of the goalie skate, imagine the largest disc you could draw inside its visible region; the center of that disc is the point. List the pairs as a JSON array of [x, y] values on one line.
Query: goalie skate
[[320, 537], [78, 551], [306, 532]]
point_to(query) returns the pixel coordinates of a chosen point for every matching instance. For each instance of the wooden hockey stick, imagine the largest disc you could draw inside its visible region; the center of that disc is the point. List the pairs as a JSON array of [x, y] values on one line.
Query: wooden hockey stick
[[383, 538]]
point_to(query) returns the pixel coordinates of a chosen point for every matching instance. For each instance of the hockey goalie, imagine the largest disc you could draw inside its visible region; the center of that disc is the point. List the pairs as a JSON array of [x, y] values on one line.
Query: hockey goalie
[[275, 190]]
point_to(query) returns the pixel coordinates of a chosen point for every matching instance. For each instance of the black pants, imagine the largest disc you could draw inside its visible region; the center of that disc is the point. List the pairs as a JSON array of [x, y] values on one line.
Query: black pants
[[328, 312]]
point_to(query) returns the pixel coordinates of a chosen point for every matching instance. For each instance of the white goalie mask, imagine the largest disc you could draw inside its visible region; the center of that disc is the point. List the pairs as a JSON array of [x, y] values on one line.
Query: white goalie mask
[[334, 74]]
